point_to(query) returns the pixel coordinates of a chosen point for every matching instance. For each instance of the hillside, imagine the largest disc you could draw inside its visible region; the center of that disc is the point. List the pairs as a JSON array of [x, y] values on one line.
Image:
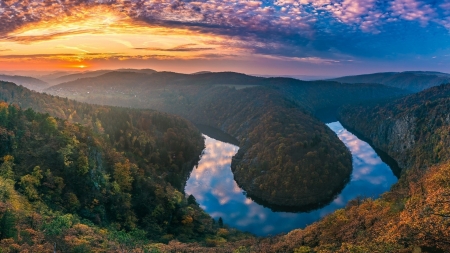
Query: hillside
[[411, 129], [154, 144], [413, 216], [254, 117], [279, 139], [154, 91], [28, 82], [414, 81], [64, 186], [88, 74]]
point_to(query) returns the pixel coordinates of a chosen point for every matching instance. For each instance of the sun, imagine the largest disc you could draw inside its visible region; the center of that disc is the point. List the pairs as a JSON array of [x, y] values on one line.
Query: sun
[[81, 66]]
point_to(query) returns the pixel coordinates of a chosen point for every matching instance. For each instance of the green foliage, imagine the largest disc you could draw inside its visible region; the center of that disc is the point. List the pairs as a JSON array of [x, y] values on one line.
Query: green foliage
[[6, 169], [303, 249], [69, 172], [280, 141], [413, 130], [58, 225], [7, 225], [30, 182], [220, 222]]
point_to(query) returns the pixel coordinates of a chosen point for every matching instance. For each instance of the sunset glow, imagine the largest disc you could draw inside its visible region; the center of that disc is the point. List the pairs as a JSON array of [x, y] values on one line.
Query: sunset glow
[[277, 37]]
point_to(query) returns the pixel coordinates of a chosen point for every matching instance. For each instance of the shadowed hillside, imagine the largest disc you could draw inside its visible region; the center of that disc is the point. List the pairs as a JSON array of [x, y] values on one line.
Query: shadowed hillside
[[28, 82], [88, 74], [414, 81]]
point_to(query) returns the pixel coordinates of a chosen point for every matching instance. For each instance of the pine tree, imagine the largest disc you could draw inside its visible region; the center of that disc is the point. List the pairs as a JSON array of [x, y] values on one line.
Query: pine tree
[[220, 222], [7, 225]]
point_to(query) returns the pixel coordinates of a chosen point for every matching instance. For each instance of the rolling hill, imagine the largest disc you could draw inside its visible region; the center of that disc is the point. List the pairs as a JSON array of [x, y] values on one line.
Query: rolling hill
[[87, 74], [254, 111], [414, 81], [28, 82]]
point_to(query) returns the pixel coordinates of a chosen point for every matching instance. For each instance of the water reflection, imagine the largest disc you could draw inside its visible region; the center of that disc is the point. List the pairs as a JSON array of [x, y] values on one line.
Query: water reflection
[[213, 185]]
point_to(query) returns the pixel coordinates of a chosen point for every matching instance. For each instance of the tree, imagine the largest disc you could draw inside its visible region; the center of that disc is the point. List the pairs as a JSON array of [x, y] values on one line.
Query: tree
[[7, 225], [191, 200], [6, 169], [220, 222], [122, 175], [29, 182]]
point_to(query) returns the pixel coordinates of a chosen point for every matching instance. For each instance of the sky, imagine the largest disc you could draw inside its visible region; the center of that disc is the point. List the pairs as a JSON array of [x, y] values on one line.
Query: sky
[[270, 37]]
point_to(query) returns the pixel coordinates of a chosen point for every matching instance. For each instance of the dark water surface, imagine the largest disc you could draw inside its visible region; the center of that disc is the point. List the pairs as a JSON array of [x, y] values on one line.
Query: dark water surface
[[213, 185]]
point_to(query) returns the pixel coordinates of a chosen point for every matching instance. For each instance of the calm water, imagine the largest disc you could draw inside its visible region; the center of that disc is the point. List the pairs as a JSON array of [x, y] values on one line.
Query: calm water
[[213, 185]]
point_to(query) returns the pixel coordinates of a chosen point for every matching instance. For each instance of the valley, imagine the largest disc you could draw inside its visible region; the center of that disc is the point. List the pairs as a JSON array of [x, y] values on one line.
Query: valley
[[213, 186], [284, 126], [278, 125]]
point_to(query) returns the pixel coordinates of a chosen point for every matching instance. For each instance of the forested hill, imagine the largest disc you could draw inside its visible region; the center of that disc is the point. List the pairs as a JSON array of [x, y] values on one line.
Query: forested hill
[[414, 215], [154, 91], [413, 130], [124, 168], [414, 81], [28, 82], [316, 95], [262, 120], [88, 74], [274, 146], [141, 81]]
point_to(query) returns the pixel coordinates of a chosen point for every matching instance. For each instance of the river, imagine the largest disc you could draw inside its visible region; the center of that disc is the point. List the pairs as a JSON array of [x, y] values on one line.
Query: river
[[213, 185]]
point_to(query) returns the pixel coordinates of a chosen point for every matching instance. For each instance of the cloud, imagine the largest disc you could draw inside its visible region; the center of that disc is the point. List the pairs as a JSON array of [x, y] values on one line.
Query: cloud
[[73, 48], [301, 29], [181, 48], [413, 10], [105, 56]]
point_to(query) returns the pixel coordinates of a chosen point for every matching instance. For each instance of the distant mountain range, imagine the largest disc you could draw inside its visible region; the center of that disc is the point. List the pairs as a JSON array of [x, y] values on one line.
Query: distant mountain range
[[87, 74], [414, 81], [28, 82], [301, 77]]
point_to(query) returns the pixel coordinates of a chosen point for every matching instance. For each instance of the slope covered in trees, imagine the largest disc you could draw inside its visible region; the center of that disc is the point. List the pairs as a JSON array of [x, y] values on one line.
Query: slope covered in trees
[[414, 215], [414, 81], [88, 74], [28, 82], [263, 122], [66, 186], [413, 130], [279, 139], [149, 154]]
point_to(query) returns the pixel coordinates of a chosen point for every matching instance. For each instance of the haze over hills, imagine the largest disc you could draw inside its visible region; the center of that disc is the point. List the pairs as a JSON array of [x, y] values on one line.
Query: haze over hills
[[300, 77], [136, 89], [48, 77], [87, 74], [28, 82], [410, 80]]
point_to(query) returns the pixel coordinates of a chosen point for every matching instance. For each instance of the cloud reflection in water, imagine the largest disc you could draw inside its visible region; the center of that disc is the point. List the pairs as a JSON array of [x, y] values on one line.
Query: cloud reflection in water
[[213, 185]]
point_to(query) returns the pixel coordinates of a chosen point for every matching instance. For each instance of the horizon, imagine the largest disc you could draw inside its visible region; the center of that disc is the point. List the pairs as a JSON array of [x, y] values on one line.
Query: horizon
[[41, 73]]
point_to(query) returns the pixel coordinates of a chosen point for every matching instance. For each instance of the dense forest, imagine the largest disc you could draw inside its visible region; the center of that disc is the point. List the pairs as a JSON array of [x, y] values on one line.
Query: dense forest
[[412, 130], [279, 141], [116, 184], [271, 118], [114, 180], [413, 216]]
